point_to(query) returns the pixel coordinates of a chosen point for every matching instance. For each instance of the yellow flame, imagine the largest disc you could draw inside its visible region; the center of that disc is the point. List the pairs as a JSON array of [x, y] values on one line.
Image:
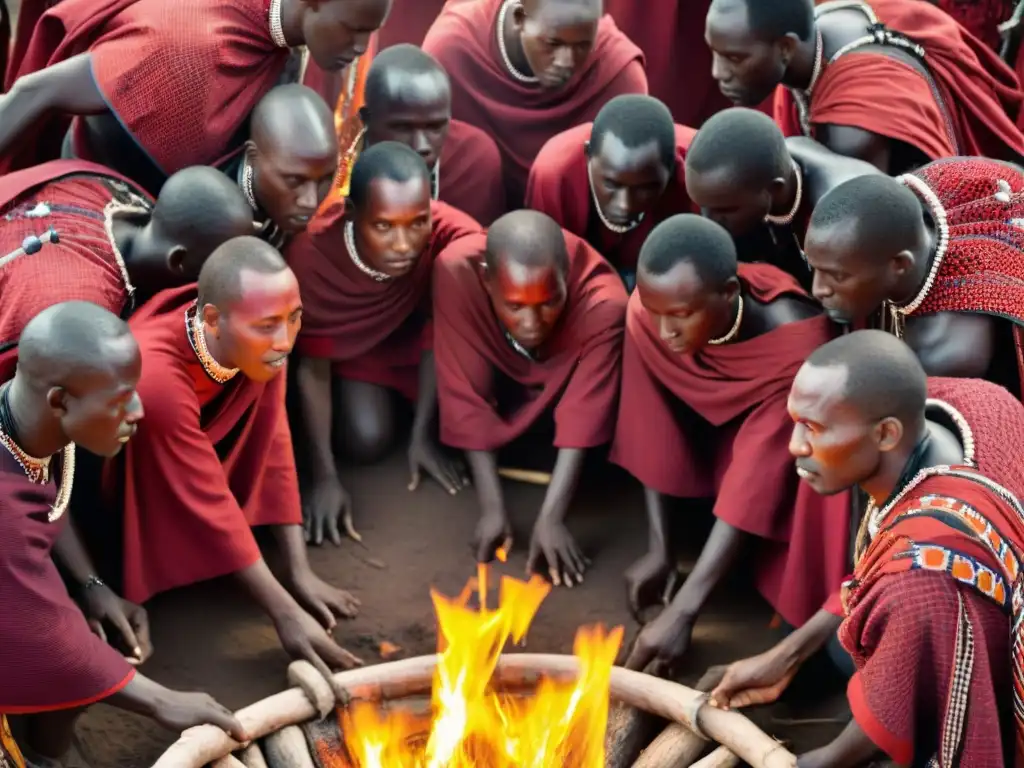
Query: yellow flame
[[472, 724]]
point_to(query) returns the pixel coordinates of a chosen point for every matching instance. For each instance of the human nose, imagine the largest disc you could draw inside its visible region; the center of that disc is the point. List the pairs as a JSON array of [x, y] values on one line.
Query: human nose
[[799, 447], [820, 287], [308, 198]]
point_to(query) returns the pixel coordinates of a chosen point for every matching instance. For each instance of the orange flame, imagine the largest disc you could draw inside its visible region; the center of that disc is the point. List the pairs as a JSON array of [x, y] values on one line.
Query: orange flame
[[472, 725]]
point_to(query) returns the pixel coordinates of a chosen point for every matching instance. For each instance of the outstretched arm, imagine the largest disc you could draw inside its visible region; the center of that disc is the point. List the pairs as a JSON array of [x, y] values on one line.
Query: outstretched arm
[[493, 530], [65, 87], [424, 451], [850, 749], [551, 540]]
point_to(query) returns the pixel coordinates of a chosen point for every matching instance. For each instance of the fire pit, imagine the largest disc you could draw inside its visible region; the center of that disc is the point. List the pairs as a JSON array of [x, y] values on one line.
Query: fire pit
[[469, 706]]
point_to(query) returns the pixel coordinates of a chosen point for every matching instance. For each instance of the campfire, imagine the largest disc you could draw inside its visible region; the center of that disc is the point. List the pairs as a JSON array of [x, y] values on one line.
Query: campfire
[[472, 723]]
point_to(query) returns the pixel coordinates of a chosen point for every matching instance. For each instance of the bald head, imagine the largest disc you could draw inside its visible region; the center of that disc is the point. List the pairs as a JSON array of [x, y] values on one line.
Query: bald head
[[528, 238], [742, 145], [567, 11], [67, 341], [404, 74], [883, 378], [220, 282], [769, 21], [876, 216], [294, 118], [198, 209], [387, 160], [686, 238]]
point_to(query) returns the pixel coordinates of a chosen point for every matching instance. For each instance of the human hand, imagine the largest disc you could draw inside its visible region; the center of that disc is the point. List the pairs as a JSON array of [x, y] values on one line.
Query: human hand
[[426, 454], [324, 601], [759, 679], [492, 533], [303, 638], [646, 578], [103, 606], [662, 643], [323, 505], [178, 711], [552, 541]]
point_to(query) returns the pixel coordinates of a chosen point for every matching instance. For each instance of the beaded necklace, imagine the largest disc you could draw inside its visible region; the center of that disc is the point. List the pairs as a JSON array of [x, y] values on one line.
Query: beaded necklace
[[503, 49], [734, 331], [196, 334]]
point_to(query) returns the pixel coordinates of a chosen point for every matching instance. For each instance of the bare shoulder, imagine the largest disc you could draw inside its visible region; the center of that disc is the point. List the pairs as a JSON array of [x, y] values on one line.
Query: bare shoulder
[[791, 309]]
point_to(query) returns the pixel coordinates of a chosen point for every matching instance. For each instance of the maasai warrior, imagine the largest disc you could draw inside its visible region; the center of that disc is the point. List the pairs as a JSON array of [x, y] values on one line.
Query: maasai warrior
[[409, 100], [75, 230], [612, 181], [989, 422], [939, 253], [932, 610], [215, 458], [128, 67], [76, 384], [528, 327], [290, 161], [526, 71], [894, 83], [710, 353], [744, 175], [365, 283], [408, 22]]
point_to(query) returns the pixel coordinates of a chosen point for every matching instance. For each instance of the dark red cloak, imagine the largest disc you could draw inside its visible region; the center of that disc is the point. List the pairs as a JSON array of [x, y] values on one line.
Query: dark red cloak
[[80, 267], [983, 270], [372, 331], [735, 396], [933, 627], [522, 117], [182, 76], [471, 173], [577, 375], [559, 186], [997, 428], [208, 462], [870, 90], [409, 21], [51, 659]]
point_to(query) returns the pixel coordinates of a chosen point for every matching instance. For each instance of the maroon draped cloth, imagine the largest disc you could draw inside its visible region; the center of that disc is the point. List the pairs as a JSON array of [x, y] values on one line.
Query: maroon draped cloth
[[182, 76], [81, 267], [577, 371], [560, 186], [521, 116], [996, 425], [51, 659], [716, 424], [207, 463], [409, 21], [371, 331], [470, 173], [932, 625], [875, 92]]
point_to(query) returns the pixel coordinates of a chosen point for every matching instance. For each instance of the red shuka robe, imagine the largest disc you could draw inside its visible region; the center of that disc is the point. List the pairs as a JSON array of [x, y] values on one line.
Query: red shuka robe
[[470, 173], [983, 270], [409, 21], [560, 186], [372, 331], [996, 424], [578, 370], [182, 76], [868, 89], [51, 659], [930, 624], [735, 396], [208, 462], [80, 267], [521, 116]]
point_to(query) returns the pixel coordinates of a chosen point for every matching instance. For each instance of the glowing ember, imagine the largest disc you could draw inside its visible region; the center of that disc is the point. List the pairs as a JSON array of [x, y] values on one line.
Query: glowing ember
[[472, 725]]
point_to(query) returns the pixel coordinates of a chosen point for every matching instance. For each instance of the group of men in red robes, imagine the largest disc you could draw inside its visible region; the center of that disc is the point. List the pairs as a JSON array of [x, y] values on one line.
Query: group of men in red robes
[[515, 225]]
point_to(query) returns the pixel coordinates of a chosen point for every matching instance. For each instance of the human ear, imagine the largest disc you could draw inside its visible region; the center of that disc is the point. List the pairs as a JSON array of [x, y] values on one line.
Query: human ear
[[888, 433]]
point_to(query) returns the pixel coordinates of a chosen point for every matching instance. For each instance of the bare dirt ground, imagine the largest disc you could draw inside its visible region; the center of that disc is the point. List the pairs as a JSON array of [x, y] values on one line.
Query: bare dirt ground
[[208, 637]]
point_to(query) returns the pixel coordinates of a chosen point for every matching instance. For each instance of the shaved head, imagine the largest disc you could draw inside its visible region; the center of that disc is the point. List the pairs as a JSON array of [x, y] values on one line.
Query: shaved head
[[573, 11], [527, 238], [694, 240], [388, 160], [771, 20], [67, 341], [294, 118], [220, 282], [743, 144], [403, 73], [636, 120], [883, 379]]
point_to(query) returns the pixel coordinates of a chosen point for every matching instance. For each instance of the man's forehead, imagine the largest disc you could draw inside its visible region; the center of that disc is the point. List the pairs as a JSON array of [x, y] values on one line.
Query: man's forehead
[[614, 151], [404, 89], [836, 243], [729, 16], [266, 293], [818, 389], [565, 13], [514, 273]]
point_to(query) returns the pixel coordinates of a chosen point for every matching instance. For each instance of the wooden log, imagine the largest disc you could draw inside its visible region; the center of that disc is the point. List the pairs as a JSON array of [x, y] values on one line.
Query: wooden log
[[228, 761], [531, 476], [317, 689], [675, 747], [629, 731], [720, 758], [252, 757], [287, 748], [410, 677]]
